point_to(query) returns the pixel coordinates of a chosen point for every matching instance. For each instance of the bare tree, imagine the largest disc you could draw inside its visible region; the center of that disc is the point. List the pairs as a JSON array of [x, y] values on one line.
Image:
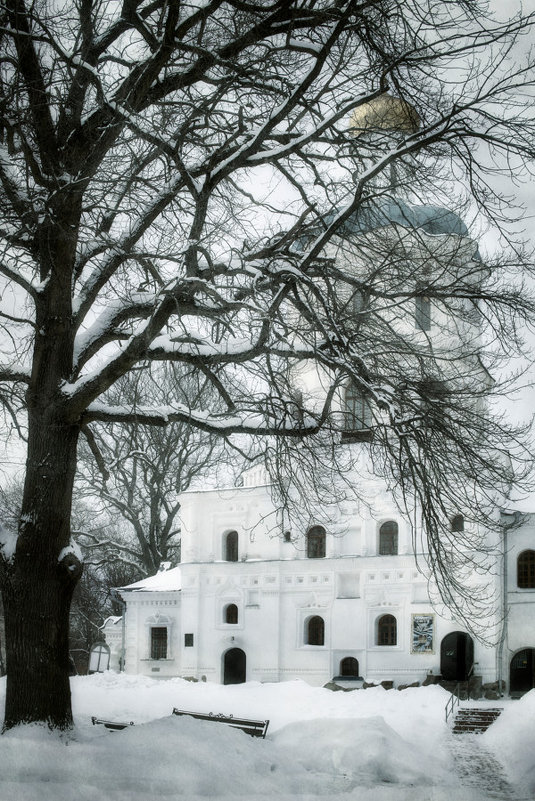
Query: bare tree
[[171, 177], [138, 472], [92, 603]]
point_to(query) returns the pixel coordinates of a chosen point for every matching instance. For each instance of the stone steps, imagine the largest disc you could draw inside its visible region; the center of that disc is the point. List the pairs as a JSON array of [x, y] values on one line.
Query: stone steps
[[475, 720]]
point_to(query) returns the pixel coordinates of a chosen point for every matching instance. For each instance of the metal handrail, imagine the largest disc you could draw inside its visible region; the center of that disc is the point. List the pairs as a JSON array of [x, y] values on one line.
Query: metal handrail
[[453, 700]]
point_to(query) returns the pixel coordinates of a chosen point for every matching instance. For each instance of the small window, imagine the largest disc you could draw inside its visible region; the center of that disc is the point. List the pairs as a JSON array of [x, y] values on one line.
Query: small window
[[315, 631], [158, 642], [316, 542], [526, 570], [357, 410], [388, 538], [349, 666], [287, 536], [188, 640], [457, 523], [231, 546], [231, 613], [422, 313], [387, 630], [358, 303]]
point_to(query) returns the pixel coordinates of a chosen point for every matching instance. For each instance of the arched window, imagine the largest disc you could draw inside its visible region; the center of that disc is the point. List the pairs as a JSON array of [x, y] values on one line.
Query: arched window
[[422, 312], [357, 410], [457, 523], [231, 546], [315, 631], [231, 613], [387, 630], [316, 542], [388, 538], [158, 642], [349, 666], [358, 303], [525, 570]]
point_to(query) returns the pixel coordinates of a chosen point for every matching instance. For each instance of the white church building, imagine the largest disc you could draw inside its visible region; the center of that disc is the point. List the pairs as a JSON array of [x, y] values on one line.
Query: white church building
[[251, 603], [257, 597]]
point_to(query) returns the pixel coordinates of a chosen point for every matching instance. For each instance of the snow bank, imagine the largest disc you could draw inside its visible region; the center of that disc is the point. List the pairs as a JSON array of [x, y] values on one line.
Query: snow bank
[[512, 738], [374, 745]]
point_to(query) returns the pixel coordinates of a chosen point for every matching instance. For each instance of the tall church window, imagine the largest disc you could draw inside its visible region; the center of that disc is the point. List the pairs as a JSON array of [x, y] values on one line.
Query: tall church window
[[349, 666], [388, 538], [231, 546], [316, 542], [357, 410], [525, 566], [387, 633], [315, 631], [231, 613], [422, 312], [358, 303], [457, 523], [158, 642]]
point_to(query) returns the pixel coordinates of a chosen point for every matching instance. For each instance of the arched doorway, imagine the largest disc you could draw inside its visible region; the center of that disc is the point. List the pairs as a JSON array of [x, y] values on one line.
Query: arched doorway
[[522, 672], [349, 667], [234, 666], [456, 656]]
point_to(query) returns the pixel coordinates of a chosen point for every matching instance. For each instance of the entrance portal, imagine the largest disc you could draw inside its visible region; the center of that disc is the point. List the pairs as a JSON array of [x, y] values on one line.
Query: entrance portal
[[522, 672], [456, 656], [234, 666]]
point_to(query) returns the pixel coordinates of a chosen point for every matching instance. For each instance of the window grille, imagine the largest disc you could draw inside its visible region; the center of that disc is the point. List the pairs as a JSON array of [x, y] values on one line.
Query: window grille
[[316, 542], [526, 570], [158, 642], [387, 630], [349, 666], [388, 538], [357, 410]]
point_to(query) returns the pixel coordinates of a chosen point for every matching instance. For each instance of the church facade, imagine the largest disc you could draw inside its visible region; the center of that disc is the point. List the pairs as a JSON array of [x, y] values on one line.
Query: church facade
[[250, 602]]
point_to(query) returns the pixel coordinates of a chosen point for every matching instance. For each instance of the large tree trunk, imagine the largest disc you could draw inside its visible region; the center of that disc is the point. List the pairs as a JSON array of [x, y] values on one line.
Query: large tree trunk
[[39, 583]]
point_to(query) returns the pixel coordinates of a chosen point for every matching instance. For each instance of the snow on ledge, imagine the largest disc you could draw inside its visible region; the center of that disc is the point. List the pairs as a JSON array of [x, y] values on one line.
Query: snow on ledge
[[71, 548]]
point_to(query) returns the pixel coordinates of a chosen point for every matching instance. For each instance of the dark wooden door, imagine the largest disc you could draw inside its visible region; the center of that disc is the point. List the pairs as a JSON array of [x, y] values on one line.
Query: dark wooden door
[[456, 656], [234, 666], [522, 672]]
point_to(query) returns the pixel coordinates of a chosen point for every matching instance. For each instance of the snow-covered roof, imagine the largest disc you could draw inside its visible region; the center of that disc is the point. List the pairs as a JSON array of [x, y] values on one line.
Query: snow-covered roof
[[112, 620], [163, 581]]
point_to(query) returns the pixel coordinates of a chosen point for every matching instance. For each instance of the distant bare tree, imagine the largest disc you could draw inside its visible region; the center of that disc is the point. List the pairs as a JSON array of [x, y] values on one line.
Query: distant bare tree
[[92, 603], [138, 472]]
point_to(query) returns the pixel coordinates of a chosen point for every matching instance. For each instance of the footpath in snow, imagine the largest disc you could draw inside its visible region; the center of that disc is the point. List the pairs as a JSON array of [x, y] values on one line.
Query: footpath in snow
[[370, 745]]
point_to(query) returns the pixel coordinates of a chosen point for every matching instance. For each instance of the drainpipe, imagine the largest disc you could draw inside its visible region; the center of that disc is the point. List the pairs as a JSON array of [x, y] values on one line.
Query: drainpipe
[[505, 610], [119, 598], [123, 638]]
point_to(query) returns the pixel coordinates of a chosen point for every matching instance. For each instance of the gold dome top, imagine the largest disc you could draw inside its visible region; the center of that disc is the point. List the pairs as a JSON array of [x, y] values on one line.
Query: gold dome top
[[385, 113]]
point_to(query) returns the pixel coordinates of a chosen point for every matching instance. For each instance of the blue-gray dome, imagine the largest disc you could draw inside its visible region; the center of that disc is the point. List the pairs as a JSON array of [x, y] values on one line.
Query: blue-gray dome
[[431, 219], [436, 220]]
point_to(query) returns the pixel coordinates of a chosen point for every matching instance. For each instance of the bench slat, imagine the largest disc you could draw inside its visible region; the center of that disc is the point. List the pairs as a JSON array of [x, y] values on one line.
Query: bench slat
[[111, 724], [256, 728]]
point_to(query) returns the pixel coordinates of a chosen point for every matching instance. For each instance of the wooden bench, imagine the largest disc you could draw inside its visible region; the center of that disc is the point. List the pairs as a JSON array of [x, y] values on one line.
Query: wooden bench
[[256, 728], [111, 724]]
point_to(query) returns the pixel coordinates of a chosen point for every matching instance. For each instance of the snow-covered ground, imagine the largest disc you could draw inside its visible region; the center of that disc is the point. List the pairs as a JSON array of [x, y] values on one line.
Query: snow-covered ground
[[371, 745]]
